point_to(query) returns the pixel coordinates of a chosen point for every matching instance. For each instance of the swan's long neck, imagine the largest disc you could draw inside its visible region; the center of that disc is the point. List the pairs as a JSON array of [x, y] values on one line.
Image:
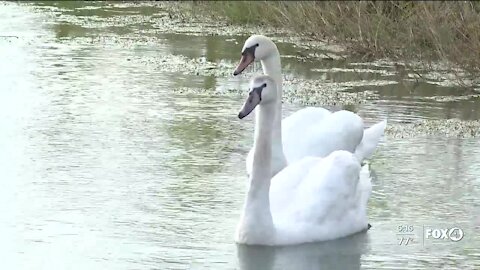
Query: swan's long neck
[[262, 147], [256, 223], [272, 66]]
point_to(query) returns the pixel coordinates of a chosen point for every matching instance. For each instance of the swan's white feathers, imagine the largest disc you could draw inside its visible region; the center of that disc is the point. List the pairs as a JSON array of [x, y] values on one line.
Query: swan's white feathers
[[318, 199], [372, 137]]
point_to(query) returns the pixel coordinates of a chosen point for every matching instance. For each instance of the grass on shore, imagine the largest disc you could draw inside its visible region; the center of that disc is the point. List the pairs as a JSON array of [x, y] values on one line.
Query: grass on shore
[[403, 31]]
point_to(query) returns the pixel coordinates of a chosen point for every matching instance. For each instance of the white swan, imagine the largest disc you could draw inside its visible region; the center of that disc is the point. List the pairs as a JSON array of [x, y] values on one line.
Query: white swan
[[310, 131], [313, 199]]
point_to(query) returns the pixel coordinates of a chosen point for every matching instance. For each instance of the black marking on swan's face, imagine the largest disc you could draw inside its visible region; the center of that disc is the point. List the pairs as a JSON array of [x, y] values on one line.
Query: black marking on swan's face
[[248, 56], [254, 98], [250, 50]]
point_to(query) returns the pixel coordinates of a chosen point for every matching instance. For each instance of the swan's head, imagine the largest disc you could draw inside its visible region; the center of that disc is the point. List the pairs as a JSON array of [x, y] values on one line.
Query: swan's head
[[255, 47], [263, 90]]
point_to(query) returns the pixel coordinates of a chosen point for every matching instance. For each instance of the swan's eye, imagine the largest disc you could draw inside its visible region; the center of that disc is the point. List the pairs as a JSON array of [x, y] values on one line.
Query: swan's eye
[[264, 85], [256, 45]]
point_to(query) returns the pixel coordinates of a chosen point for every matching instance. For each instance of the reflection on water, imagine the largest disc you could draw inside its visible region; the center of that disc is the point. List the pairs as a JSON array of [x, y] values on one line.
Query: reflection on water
[[105, 167], [343, 253]]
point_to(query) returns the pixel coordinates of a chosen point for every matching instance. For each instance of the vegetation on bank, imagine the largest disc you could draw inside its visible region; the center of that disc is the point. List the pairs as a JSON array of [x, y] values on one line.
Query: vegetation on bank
[[447, 31]]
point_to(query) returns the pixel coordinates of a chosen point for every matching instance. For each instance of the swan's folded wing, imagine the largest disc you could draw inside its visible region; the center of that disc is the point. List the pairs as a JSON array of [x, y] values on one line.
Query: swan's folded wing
[[328, 201], [296, 131], [313, 184], [299, 121], [330, 187], [342, 130], [284, 186]]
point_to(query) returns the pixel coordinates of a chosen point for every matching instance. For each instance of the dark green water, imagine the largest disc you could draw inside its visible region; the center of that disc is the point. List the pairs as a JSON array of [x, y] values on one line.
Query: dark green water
[[105, 165]]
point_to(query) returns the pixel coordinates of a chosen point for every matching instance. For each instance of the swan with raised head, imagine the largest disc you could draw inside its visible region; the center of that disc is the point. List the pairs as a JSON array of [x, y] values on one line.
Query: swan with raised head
[[310, 131], [312, 199]]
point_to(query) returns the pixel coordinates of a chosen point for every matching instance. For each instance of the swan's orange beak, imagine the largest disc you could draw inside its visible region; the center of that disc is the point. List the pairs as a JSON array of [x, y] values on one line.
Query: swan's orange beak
[[247, 59], [252, 101]]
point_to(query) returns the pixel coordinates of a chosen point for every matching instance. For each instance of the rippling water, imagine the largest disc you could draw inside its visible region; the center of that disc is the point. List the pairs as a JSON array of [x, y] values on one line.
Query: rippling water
[[105, 166]]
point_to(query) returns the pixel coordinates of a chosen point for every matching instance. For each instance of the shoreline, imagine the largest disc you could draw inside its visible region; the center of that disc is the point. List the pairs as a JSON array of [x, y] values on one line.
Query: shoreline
[[411, 36]]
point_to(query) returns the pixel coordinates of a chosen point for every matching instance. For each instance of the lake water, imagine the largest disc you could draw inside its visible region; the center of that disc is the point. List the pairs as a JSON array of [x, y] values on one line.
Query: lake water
[[106, 165]]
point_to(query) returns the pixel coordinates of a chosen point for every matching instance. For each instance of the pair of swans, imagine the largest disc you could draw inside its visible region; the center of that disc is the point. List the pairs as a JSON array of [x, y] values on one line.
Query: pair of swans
[[320, 195]]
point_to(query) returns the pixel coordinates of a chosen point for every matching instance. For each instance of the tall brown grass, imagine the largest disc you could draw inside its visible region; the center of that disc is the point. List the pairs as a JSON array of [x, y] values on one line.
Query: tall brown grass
[[400, 30]]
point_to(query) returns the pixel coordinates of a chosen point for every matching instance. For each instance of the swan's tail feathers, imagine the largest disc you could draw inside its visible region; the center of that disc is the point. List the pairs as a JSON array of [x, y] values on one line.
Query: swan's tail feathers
[[370, 141], [365, 187], [365, 171]]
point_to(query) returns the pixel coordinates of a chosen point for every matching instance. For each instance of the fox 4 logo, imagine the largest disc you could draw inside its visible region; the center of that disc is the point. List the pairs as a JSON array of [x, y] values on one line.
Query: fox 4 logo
[[454, 234]]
